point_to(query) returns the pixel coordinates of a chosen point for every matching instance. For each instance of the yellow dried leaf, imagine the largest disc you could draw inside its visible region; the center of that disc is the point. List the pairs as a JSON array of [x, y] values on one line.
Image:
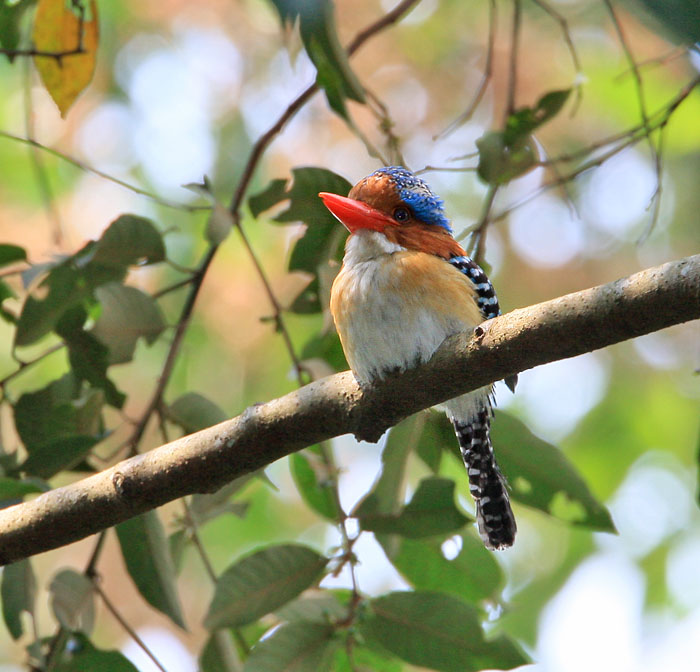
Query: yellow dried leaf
[[57, 30]]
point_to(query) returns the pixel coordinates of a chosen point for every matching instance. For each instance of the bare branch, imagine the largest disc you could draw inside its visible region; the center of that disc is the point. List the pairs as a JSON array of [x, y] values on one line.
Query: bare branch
[[564, 327]]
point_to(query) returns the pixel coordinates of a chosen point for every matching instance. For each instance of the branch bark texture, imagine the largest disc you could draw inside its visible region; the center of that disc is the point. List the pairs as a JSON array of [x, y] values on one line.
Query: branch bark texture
[[564, 327]]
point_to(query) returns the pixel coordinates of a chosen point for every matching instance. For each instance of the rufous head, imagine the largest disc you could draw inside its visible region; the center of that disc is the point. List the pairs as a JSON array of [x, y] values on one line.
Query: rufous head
[[396, 203]]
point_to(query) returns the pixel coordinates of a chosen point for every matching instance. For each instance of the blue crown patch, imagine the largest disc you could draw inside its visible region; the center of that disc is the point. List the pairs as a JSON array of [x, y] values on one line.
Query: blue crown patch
[[416, 193]]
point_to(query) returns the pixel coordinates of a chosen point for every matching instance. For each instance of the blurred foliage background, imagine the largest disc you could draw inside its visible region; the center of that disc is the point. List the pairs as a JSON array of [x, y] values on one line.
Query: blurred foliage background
[[182, 90]]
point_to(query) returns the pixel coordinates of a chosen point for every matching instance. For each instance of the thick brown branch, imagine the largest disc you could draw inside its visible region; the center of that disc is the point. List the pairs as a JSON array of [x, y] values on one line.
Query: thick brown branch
[[564, 327]]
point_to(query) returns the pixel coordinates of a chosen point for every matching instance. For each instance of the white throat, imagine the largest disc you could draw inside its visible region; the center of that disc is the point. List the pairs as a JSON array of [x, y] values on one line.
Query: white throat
[[366, 245]]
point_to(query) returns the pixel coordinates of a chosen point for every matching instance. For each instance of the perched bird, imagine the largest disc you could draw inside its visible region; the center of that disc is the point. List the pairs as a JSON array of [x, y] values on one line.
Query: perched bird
[[406, 285]]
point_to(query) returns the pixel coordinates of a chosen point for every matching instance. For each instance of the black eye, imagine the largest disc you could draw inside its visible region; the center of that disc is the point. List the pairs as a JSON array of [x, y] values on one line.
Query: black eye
[[402, 214]]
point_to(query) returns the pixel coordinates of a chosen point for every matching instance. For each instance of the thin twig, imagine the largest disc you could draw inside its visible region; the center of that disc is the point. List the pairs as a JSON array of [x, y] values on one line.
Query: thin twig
[[171, 288], [513, 67], [485, 77], [197, 541], [24, 365], [94, 171], [123, 622], [180, 329], [262, 143], [554, 167], [477, 243], [445, 169], [390, 18], [386, 128], [656, 61], [639, 84], [564, 25], [657, 121], [60, 639], [656, 196]]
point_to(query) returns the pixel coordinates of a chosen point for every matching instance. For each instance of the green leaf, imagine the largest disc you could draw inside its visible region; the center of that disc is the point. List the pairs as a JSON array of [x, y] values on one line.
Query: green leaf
[[55, 412], [219, 654], [315, 483], [308, 301], [10, 18], [525, 120], [500, 163], [63, 454], [505, 155], [294, 647], [320, 38], [129, 240], [472, 575], [550, 104], [193, 412], [430, 512], [274, 193], [72, 601], [386, 495], [127, 315], [13, 488], [326, 347], [261, 583], [324, 607], [64, 288], [147, 556], [104, 661], [50, 413], [324, 236], [87, 356], [18, 592], [542, 477], [177, 544], [66, 285], [58, 425], [365, 659], [6, 293], [437, 631], [437, 436], [204, 508], [680, 18], [9, 254], [305, 206], [89, 359]]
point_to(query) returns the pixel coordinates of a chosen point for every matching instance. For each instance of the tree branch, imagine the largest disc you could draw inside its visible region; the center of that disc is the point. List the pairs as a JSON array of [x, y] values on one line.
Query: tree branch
[[564, 327]]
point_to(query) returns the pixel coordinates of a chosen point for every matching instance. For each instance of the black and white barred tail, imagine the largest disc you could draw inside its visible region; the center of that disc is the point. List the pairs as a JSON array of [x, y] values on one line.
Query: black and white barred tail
[[486, 483]]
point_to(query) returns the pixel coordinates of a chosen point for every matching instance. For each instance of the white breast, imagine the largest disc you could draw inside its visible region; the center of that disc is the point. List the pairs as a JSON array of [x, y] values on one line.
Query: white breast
[[384, 323]]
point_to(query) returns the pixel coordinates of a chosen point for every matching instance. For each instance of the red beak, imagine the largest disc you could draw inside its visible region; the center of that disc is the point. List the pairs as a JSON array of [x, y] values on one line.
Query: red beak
[[355, 215]]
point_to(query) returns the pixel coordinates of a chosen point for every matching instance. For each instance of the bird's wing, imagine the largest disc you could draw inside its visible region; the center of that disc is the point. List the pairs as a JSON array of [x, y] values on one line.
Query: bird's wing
[[485, 293], [485, 296]]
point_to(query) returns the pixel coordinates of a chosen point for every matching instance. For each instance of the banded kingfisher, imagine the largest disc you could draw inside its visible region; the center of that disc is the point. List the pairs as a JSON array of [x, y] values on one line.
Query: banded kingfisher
[[406, 285]]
